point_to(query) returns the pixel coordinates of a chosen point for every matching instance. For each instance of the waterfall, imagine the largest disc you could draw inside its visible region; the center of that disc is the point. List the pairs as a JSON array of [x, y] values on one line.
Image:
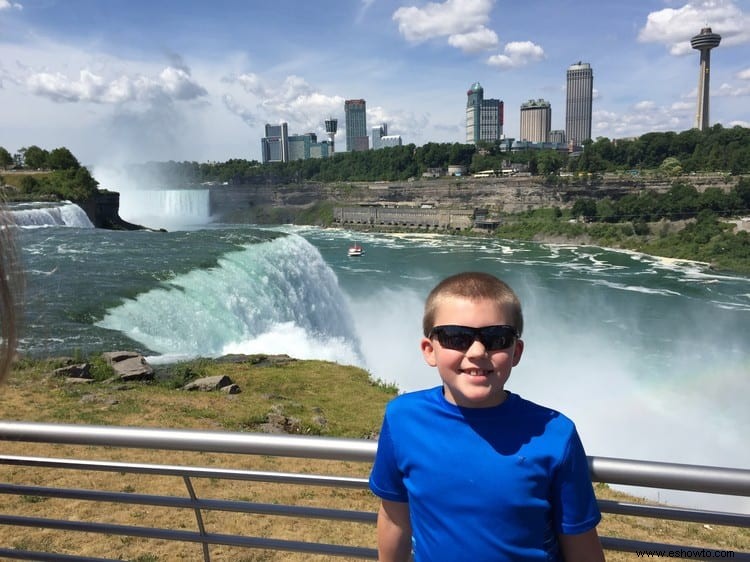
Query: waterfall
[[44, 214], [168, 207], [277, 296]]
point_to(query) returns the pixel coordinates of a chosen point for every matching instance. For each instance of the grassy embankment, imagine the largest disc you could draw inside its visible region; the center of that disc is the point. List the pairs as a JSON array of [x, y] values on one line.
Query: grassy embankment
[[315, 397]]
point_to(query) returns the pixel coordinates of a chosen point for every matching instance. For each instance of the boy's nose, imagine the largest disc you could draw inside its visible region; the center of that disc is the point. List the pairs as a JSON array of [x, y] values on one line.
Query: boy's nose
[[476, 349]]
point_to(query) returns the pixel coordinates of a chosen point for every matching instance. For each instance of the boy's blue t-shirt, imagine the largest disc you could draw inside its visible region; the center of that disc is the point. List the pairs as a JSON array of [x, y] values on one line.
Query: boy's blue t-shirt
[[484, 484]]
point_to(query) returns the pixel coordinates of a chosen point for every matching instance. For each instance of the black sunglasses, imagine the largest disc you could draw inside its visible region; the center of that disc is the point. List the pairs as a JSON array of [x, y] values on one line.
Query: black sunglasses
[[460, 338]]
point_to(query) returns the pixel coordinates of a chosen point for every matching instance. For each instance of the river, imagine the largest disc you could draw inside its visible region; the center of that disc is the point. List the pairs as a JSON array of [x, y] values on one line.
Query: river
[[649, 356]]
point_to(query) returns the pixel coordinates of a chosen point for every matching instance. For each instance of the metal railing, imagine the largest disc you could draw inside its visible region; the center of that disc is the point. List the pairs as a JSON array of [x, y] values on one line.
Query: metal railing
[[713, 480]]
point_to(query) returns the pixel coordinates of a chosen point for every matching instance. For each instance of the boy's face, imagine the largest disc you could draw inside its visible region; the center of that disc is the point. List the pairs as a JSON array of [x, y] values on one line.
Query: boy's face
[[474, 378]]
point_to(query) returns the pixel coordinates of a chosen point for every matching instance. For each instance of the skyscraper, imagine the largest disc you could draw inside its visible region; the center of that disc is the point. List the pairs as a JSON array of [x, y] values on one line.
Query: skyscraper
[[484, 117], [377, 134], [704, 42], [381, 138], [356, 125], [275, 145], [536, 121], [580, 90]]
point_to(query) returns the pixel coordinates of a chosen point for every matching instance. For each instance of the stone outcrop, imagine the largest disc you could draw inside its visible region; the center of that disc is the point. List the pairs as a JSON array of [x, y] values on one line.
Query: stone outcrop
[[103, 210], [209, 384], [129, 366]]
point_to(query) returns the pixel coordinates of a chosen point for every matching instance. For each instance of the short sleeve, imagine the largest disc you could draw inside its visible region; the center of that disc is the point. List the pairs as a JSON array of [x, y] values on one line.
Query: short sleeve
[[386, 480], [573, 501]]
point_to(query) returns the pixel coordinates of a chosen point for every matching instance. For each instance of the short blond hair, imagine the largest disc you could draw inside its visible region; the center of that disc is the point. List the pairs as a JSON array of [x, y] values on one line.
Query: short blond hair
[[473, 285]]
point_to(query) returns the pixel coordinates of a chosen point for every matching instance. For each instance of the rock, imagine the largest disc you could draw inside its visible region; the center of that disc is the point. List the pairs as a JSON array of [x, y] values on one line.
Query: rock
[[78, 371], [258, 360], [231, 389], [78, 380], [207, 384], [129, 366], [113, 357]]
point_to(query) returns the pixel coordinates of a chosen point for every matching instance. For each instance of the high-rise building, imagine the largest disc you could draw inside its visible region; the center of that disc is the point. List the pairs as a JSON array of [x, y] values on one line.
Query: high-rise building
[[275, 145], [484, 117], [279, 146], [377, 134], [381, 138], [356, 125], [536, 121], [704, 42], [557, 136], [299, 146], [578, 103]]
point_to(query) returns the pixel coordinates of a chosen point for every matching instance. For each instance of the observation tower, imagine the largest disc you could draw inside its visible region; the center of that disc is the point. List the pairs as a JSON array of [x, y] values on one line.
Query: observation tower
[[704, 42], [331, 127]]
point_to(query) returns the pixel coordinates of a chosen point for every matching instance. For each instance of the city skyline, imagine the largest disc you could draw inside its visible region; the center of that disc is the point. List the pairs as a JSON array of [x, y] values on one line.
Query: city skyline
[[118, 82]]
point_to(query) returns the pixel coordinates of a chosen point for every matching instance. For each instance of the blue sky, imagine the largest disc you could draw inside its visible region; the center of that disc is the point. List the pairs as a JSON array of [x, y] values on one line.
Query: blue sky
[[123, 81]]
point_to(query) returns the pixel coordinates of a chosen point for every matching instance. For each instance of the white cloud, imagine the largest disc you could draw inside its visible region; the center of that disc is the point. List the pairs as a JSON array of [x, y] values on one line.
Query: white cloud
[[644, 117], [675, 27], [171, 84], [7, 5], [294, 101], [404, 123], [727, 90], [452, 17], [517, 53], [239, 110], [744, 74], [682, 106], [739, 123], [481, 39]]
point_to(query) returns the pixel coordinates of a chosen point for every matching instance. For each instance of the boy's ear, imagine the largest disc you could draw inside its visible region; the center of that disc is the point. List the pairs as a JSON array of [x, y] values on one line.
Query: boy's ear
[[428, 350], [517, 351]]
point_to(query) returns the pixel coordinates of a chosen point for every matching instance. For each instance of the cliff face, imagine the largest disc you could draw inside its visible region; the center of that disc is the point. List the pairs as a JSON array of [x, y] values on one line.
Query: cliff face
[[103, 211], [282, 203]]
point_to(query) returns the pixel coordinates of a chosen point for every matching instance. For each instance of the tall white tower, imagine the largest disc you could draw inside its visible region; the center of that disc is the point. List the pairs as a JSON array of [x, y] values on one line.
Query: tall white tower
[[704, 42]]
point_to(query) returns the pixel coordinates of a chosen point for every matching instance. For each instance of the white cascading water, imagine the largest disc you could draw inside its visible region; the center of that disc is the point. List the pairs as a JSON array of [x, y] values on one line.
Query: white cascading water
[[169, 207], [273, 297], [43, 214]]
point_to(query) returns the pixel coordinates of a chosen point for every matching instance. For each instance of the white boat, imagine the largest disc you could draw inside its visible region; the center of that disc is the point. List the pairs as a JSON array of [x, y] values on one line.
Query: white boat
[[355, 251]]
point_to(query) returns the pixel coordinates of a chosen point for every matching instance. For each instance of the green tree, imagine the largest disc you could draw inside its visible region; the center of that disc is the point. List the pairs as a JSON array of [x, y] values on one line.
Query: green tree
[[62, 159], [29, 184], [585, 207], [6, 160], [34, 157], [671, 167], [549, 162]]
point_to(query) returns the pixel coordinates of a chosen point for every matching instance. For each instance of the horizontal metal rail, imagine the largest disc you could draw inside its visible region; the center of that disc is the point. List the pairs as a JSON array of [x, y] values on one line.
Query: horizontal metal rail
[[715, 480]]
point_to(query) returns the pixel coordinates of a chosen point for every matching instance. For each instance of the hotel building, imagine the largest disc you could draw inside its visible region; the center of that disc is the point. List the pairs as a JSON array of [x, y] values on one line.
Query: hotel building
[[578, 103], [484, 117]]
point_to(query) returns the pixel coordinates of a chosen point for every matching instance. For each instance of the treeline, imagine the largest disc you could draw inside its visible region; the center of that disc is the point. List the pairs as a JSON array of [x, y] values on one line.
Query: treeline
[[682, 201], [714, 150], [640, 222], [61, 175], [671, 154]]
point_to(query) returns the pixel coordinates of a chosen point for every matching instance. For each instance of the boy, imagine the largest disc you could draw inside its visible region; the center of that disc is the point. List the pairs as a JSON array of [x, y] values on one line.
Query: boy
[[469, 471]]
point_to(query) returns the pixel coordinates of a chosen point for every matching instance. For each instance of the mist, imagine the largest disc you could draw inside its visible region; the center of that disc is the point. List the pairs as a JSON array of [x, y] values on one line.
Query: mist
[[637, 386]]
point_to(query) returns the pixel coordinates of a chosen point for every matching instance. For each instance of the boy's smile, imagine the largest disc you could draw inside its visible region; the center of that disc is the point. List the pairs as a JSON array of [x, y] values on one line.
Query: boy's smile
[[474, 378]]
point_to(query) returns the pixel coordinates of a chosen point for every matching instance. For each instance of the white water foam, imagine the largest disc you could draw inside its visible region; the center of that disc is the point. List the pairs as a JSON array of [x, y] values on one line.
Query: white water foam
[[38, 215], [272, 297]]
